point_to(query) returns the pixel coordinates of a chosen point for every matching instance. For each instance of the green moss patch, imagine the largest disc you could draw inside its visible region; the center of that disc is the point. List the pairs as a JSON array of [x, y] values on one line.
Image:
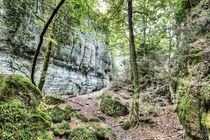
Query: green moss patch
[[82, 132], [82, 117], [17, 122], [17, 87], [57, 114], [111, 106], [61, 129], [22, 114], [54, 99], [94, 120], [194, 100], [94, 131]]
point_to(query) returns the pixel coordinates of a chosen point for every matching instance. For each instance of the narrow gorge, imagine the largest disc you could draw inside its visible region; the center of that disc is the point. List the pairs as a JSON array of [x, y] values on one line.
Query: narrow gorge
[[104, 70]]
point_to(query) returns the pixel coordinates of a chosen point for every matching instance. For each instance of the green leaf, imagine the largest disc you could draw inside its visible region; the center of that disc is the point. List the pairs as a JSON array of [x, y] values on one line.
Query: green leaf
[[52, 40]]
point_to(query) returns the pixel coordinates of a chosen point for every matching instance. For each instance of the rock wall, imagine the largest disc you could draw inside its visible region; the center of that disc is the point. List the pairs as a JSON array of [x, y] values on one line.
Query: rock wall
[[79, 68], [193, 94]]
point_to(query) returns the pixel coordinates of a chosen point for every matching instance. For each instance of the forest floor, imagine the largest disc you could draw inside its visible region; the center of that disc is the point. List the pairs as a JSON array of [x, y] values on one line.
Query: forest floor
[[159, 121]]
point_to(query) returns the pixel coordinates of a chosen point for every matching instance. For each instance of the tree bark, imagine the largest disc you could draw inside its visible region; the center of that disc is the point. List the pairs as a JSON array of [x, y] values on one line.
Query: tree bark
[[134, 118], [46, 60], [55, 11]]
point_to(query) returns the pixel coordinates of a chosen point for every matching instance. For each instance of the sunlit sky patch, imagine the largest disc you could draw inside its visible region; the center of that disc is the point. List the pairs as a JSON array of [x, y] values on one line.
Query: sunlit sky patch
[[103, 6]]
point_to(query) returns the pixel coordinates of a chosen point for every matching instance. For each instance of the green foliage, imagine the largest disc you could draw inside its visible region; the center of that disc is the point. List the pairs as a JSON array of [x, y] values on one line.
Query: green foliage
[[45, 135], [183, 7], [50, 39]]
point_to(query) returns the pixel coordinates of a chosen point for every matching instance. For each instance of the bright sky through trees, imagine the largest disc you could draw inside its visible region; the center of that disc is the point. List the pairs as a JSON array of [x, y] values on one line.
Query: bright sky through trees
[[102, 6]]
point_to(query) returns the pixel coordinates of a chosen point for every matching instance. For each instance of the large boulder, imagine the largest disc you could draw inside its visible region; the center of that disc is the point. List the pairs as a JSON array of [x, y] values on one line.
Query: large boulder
[[193, 95], [17, 87], [111, 105], [21, 114]]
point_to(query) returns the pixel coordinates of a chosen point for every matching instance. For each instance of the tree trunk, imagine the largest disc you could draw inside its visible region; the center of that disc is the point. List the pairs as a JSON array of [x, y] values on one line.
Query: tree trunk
[[134, 118], [46, 60], [41, 38]]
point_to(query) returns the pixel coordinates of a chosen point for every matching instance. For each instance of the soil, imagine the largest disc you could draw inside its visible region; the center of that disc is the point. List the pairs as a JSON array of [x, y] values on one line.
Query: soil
[[156, 122]]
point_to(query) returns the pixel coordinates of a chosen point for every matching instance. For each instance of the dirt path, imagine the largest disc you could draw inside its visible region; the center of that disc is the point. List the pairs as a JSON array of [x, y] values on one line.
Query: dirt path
[[167, 126]]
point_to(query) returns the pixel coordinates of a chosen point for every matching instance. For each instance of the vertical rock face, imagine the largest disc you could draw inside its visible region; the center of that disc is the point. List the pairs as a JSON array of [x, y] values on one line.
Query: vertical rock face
[[79, 68], [193, 94]]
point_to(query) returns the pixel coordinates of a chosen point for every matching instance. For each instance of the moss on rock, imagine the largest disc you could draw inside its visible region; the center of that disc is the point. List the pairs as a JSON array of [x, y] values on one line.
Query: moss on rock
[[61, 129], [193, 106], [54, 99], [193, 95], [21, 115], [82, 117], [57, 114], [82, 133], [111, 106], [126, 125], [94, 120], [69, 109], [64, 125], [94, 131], [17, 87]]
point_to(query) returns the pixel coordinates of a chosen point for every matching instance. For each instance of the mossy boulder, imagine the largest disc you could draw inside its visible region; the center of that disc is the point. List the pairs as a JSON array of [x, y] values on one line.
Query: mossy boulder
[[61, 129], [126, 125], [52, 99], [94, 131], [58, 114], [21, 114], [17, 87], [111, 106], [82, 133]]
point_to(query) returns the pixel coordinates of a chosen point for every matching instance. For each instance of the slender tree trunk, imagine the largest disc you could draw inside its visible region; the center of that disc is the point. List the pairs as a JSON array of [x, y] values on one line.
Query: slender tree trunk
[[55, 11], [46, 59], [144, 30], [134, 118]]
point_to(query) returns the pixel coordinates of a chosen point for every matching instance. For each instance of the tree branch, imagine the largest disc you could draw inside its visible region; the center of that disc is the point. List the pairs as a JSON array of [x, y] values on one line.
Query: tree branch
[[143, 13]]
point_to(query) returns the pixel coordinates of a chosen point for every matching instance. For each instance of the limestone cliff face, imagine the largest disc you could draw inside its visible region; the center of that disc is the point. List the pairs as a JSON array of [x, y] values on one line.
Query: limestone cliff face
[[80, 67], [193, 94]]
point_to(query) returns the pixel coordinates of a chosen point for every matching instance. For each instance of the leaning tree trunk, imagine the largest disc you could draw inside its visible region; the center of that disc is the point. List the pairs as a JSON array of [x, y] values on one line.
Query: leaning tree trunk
[[55, 11], [134, 118], [46, 60]]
